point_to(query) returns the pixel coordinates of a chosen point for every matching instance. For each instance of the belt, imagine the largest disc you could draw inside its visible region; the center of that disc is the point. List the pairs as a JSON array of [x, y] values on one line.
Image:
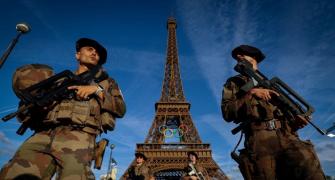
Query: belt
[[85, 128], [272, 124]]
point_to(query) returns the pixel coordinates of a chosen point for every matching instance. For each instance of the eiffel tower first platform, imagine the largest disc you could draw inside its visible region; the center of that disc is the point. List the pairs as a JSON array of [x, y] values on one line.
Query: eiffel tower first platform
[[173, 134]]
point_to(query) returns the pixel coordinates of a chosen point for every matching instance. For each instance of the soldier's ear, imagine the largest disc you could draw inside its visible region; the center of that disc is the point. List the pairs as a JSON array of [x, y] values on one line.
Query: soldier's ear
[[77, 55], [256, 59]]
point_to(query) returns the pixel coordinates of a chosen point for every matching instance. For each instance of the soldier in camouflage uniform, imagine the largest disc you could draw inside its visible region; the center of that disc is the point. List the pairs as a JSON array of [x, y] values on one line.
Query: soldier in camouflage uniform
[[64, 142], [273, 149], [193, 167], [139, 171]]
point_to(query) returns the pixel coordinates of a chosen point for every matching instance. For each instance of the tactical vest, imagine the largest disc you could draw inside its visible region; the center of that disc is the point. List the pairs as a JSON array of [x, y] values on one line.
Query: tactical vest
[[86, 115], [139, 172], [257, 109]]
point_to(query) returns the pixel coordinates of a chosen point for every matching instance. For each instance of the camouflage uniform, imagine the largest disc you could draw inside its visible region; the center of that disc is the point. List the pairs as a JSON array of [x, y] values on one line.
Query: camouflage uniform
[[64, 137], [65, 142], [198, 168], [138, 172], [273, 149]]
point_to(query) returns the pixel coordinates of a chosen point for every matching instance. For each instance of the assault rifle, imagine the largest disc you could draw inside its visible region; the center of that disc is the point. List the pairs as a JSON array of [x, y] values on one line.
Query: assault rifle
[[194, 172], [290, 101], [50, 91]]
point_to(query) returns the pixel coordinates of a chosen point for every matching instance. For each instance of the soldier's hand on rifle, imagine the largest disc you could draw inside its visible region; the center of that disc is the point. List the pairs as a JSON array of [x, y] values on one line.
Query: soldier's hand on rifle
[[83, 92], [264, 94]]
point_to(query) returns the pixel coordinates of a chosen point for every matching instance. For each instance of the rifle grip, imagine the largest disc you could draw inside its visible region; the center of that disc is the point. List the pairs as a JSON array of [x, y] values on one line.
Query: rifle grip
[[22, 129]]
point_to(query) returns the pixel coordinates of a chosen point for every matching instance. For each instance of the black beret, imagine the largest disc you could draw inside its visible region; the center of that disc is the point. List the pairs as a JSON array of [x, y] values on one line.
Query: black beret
[[138, 154], [82, 42], [249, 51]]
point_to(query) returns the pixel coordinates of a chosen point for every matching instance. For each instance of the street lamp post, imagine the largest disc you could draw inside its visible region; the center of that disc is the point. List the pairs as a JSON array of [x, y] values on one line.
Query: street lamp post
[[112, 146], [21, 28]]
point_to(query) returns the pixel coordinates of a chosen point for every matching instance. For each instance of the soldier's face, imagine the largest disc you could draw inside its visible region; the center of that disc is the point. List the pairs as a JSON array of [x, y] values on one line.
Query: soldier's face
[[139, 160], [247, 58], [87, 55], [192, 158]]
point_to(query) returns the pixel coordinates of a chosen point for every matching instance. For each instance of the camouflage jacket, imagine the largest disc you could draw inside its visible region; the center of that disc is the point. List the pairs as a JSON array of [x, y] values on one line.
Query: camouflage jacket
[[200, 170], [141, 172], [93, 116], [238, 107]]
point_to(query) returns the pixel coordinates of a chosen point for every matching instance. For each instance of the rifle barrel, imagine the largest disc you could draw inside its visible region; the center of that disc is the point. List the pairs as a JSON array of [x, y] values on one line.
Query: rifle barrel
[[20, 110]]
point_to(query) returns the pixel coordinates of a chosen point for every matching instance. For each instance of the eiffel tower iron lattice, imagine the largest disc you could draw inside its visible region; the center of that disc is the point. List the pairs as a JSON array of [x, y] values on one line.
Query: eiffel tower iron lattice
[[173, 134]]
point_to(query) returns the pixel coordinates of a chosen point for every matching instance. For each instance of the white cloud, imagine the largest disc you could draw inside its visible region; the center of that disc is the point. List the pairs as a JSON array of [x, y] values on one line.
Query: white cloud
[[6, 110], [137, 61], [229, 166], [139, 126], [326, 150], [4, 139], [8, 145], [213, 33], [215, 122], [130, 130]]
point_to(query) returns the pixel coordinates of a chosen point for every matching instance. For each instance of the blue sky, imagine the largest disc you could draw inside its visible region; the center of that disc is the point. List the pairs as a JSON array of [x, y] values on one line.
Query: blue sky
[[297, 37]]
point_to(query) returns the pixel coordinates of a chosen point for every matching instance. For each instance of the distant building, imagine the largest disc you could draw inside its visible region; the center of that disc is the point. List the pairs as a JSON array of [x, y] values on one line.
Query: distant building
[[110, 176]]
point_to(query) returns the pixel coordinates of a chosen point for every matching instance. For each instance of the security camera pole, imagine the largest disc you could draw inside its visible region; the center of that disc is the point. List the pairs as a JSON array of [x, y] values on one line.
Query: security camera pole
[[22, 28]]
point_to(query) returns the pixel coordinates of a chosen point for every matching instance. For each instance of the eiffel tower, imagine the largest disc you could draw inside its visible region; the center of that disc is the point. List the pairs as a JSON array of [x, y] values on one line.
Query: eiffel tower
[[173, 134]]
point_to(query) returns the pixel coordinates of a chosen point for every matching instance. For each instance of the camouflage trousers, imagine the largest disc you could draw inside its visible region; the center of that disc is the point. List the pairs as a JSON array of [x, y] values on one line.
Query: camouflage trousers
[[279, 155], [61, 151]]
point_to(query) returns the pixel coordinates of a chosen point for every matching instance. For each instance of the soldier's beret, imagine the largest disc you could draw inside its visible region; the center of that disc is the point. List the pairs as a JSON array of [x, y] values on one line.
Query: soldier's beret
[[82, 42], [193, 153], [138, 154], [249, 51]]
